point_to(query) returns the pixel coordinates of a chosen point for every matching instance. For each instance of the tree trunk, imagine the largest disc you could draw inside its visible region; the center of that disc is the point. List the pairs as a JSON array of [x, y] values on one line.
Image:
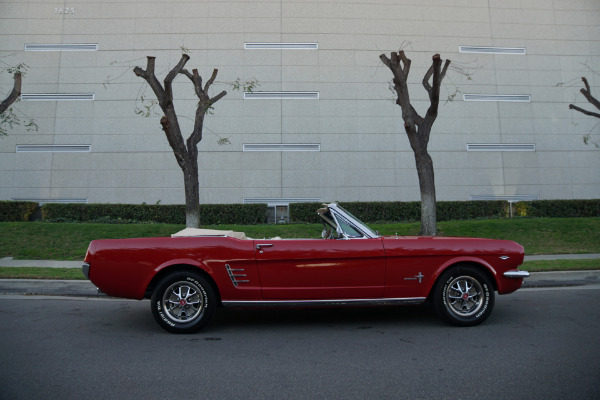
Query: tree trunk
[[192, 195], [428, 201]]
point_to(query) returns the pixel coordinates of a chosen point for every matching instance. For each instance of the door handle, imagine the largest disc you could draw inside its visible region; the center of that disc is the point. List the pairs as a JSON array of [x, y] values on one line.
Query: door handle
[[261, 245]]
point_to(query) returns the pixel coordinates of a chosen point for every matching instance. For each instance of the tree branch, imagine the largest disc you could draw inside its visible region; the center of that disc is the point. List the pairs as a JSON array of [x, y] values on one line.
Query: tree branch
[[211, 80], [218, 97], [203, 105], [14, 94], [443, 74], [148, 76], [171, 76], [586, 112], [587, 93], [406, 61]]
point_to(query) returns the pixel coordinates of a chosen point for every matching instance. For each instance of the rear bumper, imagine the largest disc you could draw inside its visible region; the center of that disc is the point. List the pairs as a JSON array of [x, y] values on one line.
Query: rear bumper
[[86, 270]]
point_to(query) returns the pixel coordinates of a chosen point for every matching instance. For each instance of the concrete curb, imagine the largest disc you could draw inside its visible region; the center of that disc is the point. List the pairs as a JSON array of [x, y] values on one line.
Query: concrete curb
[[51, 287], [562, 278]]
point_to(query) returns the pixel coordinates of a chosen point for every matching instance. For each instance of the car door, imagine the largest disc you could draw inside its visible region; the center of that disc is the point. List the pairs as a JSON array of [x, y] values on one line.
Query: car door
[[296, 269]]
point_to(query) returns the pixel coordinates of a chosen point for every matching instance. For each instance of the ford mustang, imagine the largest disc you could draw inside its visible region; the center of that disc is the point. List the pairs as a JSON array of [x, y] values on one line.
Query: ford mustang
[[190, 275]]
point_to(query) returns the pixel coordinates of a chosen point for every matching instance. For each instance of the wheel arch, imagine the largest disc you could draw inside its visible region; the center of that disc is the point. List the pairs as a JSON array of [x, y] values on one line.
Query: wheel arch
[[481, 265], [180, 267]]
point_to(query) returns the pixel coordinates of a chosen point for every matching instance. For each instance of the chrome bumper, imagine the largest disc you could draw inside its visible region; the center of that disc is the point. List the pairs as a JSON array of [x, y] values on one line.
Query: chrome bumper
[[86, 270], [516, 274]]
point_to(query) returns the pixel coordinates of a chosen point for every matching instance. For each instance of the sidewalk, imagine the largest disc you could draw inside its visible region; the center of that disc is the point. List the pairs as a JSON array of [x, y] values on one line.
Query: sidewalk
[[9, 262], [86, 288]]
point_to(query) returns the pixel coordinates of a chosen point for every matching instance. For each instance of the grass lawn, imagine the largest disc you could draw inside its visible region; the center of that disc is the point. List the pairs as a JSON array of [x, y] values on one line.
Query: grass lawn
[[69, 241], [41, 273]]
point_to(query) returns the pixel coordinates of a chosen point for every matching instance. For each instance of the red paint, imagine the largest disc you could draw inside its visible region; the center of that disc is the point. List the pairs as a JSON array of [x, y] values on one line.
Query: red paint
[[383, 267]]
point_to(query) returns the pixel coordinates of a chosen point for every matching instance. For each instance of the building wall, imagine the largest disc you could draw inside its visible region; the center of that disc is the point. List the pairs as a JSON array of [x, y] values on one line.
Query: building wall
[[363, 153]]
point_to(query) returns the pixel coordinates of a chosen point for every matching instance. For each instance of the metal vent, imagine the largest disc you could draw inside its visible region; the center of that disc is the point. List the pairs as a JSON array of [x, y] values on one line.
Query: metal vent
[[57, 96], [497, 97], [54, 148], [281, 147], [507, 197], [44, 201], [235, 274], [62, 47], [280, 201], [279, 46], [500, 147], [492, 50], [281, 95]]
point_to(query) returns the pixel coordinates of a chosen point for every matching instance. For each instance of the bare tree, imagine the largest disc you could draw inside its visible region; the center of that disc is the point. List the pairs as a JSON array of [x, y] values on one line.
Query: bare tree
[[418, 128], [14, 94], [186, 151]]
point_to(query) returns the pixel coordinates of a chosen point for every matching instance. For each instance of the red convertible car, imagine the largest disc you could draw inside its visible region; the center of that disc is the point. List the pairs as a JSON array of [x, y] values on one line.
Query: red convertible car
[[190, 275]]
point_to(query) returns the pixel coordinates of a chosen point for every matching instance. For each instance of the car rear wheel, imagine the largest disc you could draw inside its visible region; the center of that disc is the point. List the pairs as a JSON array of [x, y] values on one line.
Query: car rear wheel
[[183, 302], [464, 296]]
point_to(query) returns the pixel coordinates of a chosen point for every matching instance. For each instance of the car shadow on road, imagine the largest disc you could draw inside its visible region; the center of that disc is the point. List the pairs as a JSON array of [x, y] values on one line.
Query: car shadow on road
[[355, 318]]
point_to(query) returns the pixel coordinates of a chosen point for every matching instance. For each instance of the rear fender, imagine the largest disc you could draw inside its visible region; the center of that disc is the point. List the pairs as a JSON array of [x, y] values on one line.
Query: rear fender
[[177, 264], [183, 261]]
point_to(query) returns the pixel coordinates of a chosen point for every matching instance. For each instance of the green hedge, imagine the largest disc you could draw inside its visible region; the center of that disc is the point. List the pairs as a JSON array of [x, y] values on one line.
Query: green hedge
[[17, 211], [379, 211], [210, 214], [558, 208], [252, 214]]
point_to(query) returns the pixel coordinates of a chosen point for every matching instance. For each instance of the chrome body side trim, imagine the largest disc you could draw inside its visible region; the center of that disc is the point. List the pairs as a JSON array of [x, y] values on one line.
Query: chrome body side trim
[[322, 303], [516, 273]]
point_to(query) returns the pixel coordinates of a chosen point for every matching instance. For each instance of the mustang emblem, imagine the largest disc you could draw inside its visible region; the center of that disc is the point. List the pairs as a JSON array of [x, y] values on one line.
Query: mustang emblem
[[418, 277]]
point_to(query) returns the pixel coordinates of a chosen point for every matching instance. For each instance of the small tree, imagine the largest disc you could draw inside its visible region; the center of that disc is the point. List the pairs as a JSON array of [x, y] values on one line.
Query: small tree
[[418, 128], [8, 116], [587, 93], [186, 151]]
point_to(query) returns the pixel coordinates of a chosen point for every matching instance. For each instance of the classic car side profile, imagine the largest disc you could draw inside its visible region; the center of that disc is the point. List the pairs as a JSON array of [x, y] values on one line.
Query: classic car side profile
[[190, 275]]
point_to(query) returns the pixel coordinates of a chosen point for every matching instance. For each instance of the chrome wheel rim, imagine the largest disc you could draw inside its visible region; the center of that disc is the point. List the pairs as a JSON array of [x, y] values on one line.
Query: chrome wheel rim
[[464, 296], [183, 301]]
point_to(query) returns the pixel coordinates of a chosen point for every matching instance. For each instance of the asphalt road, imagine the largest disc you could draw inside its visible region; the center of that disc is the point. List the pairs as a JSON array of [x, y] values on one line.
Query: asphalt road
[[538, 344]]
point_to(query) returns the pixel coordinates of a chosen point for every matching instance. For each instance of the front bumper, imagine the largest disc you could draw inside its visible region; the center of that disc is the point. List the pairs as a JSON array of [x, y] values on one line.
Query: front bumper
[[516, 274]]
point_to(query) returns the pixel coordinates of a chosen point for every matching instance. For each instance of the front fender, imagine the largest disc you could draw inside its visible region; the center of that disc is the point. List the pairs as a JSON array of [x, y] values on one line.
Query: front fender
[[462, 260]]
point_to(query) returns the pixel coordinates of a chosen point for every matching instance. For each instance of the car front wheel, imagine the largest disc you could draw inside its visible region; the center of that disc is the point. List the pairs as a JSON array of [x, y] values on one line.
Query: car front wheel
[[183, 302], [464, 296]]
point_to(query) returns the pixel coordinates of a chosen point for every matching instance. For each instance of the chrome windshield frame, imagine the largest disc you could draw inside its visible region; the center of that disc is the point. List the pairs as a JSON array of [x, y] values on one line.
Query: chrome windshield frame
[[338, 213]]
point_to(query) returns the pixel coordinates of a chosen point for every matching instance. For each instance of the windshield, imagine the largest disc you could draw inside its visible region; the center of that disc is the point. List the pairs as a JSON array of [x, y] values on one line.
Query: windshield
[[360, 226], [338, 220], [347, 228]]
